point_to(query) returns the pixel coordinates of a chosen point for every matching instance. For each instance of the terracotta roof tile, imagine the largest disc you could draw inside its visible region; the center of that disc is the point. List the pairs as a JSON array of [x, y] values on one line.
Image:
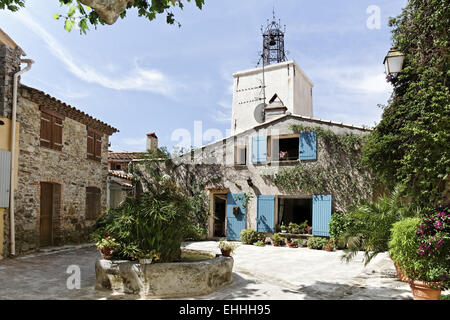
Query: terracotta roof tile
[[44, 99]]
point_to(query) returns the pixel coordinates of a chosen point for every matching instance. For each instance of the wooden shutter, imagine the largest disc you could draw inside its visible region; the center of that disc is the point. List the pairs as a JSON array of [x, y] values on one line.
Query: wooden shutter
[[235, 222], [51, 129], [91, 144], [321, 217], [259, 149], [94, 145], [308, 146], [57, 125], [265, 213], [46, 130], [98, 147]]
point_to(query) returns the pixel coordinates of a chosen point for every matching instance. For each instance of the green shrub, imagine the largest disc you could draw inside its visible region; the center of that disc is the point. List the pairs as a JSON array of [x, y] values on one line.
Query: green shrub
[[249, 236], [339, 223], [153, 224], [277, 238], [195, 233], [259, 243], [293, 228], [420, 247], [316, 243], [368, 225], [404, 245]]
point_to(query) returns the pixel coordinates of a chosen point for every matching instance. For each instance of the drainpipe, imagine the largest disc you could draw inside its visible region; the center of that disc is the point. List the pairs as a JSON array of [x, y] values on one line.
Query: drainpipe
[[12, 231]]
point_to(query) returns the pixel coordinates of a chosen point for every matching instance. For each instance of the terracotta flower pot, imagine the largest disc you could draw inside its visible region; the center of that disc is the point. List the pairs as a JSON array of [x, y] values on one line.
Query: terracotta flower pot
[[226, 253], [276, 244], [401, 276], [421, 290]]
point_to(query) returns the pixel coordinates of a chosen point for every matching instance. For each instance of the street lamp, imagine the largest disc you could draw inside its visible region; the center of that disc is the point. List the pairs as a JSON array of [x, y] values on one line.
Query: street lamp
[[393, 62]]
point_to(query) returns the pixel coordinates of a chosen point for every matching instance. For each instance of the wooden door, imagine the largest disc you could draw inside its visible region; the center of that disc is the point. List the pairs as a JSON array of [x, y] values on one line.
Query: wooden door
[[322, 207], [265, 213], [236, 218], [46, 226]]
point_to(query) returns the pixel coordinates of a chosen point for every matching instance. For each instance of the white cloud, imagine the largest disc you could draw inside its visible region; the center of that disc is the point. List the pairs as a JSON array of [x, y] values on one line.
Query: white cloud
[[140, 79]]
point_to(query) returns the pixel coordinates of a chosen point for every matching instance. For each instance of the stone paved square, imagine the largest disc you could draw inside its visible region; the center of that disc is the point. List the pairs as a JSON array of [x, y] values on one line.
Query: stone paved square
[[279, 273]]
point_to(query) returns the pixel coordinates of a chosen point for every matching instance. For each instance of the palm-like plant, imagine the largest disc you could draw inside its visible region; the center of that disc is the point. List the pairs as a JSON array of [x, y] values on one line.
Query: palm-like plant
[[370, 225]]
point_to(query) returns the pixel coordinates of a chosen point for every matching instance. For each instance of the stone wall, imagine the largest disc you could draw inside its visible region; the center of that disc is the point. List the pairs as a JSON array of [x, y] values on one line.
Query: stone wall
[[9, 65], [214, 166], [69, 168]]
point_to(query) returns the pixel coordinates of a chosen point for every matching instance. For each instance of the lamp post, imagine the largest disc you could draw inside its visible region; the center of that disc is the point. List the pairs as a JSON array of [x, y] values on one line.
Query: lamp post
[[393, 62]]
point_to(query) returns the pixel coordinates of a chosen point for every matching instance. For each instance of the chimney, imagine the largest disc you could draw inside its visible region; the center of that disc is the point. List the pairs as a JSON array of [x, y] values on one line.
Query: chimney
[[10, 54], [152, 141]]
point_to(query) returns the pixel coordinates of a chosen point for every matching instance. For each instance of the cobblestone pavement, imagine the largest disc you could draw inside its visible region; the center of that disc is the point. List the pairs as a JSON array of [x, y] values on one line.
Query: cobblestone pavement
[[258, 273]]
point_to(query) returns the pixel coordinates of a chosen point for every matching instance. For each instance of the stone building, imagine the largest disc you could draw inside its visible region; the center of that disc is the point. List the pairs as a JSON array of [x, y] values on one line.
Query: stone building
[[280, 164], [61, 167], [119, 179]]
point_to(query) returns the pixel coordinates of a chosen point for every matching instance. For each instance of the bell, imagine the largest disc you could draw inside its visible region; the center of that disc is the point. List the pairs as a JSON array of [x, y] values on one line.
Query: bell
[[272, 41]]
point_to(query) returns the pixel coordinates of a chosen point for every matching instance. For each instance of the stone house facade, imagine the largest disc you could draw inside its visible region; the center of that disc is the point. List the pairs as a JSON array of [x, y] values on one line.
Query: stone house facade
[[278, 166], [62, 167]]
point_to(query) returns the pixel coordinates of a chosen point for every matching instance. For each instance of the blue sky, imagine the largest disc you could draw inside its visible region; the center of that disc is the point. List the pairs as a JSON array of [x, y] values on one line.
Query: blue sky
[[142, 76]]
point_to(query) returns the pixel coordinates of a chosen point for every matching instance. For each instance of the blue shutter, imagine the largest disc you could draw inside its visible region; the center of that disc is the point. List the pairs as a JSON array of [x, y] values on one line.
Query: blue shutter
[[259, 149], [321, 215], [5, 169], [235, 223], [266, 213], [308, 146]]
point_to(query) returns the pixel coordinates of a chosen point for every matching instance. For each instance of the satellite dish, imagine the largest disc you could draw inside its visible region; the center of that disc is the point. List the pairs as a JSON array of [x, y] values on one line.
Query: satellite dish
[[259, 112]]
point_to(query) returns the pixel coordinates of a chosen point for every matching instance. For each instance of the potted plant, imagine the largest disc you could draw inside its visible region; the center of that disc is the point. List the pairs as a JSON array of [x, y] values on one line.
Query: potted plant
[[329, 246], [277, 240], [293, 228], [420, 248], [283, 228], [107, 246], [259, 243], [293, 244], [261, 237], [226, 248], [308, 229]]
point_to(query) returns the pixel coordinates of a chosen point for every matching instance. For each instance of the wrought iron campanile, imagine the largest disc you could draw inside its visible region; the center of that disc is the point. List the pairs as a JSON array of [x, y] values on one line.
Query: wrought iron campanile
[[273, 42]]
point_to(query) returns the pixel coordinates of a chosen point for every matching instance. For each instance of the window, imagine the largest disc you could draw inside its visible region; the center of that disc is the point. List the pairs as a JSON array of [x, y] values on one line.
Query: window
[[93, 203], [285, 148], [293, 147], [240, 157], [94, 145], [51, 130]]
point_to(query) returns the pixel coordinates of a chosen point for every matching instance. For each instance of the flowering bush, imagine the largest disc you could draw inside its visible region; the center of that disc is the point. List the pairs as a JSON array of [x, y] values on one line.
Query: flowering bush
[[434, 233], [434, 239], [421, 247]]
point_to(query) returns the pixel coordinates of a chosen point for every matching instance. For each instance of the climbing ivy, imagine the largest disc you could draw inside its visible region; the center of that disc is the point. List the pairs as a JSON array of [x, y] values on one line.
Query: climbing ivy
[[410, 145], [338, 171]]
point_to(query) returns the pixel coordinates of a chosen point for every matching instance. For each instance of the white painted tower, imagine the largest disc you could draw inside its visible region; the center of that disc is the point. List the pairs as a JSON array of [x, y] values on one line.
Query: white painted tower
[[285, 79]]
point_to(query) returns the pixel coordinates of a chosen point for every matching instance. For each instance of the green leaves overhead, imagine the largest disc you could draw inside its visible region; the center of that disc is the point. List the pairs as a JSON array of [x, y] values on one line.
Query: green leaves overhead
[[84, 15], [11, 5]]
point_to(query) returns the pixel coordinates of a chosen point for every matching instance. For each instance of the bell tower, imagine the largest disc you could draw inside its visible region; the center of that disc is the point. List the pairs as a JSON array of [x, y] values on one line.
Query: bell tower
[[273, 42], [276, 86]]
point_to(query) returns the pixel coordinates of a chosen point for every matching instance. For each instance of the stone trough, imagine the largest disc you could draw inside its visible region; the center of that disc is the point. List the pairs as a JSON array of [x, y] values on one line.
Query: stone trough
[[166, 280]]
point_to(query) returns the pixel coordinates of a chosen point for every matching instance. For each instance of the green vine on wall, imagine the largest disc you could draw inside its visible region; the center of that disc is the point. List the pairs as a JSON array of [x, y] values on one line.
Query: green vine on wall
[[338, 170]]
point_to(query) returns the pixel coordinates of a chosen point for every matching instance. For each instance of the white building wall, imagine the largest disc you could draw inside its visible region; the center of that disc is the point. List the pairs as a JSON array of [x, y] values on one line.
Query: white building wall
[[286, 79]]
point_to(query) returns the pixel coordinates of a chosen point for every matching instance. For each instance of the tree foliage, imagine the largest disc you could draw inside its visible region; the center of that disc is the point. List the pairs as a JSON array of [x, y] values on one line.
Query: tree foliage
[[84, 16], [410, 145]]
